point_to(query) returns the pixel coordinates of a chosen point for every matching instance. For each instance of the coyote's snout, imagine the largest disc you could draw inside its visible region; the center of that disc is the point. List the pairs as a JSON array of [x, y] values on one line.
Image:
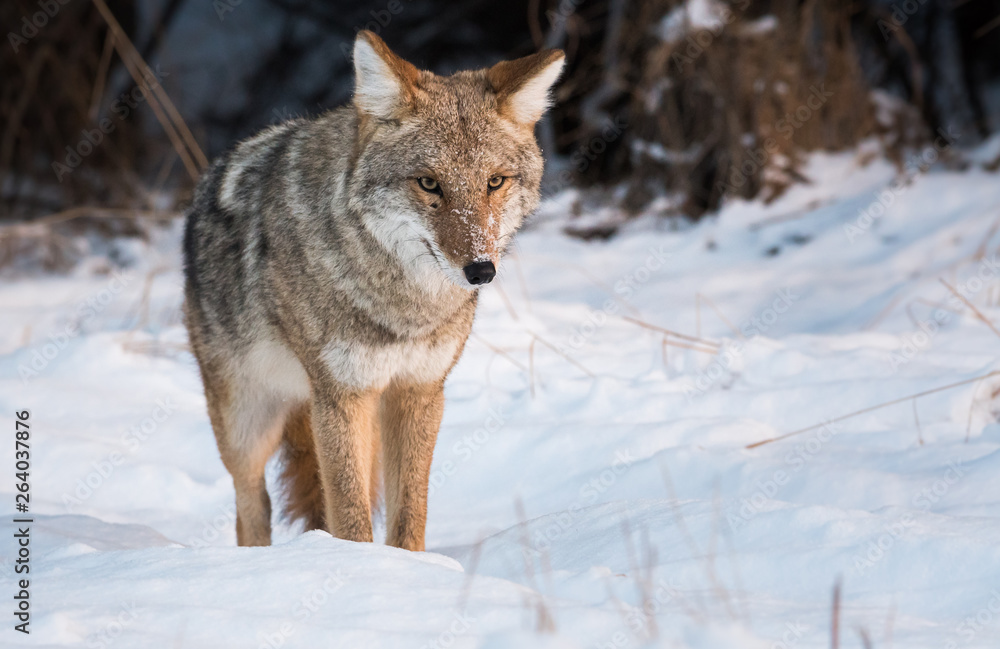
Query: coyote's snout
[[330, 273]]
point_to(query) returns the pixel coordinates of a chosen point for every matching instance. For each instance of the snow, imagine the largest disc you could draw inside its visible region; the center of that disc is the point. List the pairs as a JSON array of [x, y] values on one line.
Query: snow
[[693, 15], [602, 495]]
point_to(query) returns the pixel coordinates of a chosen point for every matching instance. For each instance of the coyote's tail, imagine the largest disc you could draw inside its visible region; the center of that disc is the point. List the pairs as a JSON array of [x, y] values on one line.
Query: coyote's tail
[[300, 475]]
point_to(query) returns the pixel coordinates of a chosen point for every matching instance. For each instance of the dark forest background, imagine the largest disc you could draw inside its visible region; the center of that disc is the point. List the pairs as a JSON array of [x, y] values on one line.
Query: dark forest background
[[663, 103]]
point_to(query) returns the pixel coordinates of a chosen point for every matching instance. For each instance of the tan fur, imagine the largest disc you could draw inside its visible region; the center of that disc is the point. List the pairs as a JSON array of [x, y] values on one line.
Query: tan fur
[[345, 425], [253, 505], [507, 77], [326, 299], [411, 416], [405, 71]]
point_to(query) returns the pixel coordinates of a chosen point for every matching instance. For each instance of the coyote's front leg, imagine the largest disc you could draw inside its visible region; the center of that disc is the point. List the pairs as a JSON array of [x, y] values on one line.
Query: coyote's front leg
[[411, 417], [344, 423]]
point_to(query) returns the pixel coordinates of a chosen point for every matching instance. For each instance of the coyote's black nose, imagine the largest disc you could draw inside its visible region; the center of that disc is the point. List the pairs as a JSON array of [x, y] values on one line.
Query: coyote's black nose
[[480, 272]]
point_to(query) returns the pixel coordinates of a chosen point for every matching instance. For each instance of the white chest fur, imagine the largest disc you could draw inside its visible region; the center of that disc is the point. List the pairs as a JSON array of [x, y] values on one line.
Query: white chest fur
[[368, 366]]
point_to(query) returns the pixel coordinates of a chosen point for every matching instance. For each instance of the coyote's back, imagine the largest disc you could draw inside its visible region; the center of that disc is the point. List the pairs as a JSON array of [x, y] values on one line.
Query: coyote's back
[[331, 271]]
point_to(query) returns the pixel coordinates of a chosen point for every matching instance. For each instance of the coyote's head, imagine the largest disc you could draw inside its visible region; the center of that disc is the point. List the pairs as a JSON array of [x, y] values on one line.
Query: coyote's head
[[447, 166]]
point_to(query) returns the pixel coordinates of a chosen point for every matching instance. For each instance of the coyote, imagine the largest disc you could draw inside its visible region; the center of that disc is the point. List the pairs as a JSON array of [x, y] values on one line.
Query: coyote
[[331, 268]]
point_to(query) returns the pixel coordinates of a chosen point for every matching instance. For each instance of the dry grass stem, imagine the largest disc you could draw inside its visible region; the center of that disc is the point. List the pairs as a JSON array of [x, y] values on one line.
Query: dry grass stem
[[873, 408]]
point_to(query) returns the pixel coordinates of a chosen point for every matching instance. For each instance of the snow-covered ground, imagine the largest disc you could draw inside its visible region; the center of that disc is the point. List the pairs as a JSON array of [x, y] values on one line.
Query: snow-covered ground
[[591, 486]]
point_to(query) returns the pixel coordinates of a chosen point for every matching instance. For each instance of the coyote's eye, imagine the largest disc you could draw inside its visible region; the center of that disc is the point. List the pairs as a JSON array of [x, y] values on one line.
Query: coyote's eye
[[429, 185], [496, 182]]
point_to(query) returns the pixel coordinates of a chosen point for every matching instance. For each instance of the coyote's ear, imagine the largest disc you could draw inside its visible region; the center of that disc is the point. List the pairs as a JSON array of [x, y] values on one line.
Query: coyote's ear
[[384, 84], [522, 85]]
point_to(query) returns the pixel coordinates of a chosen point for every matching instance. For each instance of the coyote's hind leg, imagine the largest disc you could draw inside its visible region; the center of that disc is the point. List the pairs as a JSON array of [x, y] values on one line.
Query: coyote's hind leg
[[247, 419]]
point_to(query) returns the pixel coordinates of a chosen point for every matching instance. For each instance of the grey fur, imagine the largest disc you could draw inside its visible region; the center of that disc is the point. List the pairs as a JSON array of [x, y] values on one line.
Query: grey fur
[[302, 284]]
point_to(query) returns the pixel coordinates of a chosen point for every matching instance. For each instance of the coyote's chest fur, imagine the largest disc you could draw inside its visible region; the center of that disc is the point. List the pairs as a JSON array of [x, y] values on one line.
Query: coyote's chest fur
[[356, 365], [331, 269], [362, 366]]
